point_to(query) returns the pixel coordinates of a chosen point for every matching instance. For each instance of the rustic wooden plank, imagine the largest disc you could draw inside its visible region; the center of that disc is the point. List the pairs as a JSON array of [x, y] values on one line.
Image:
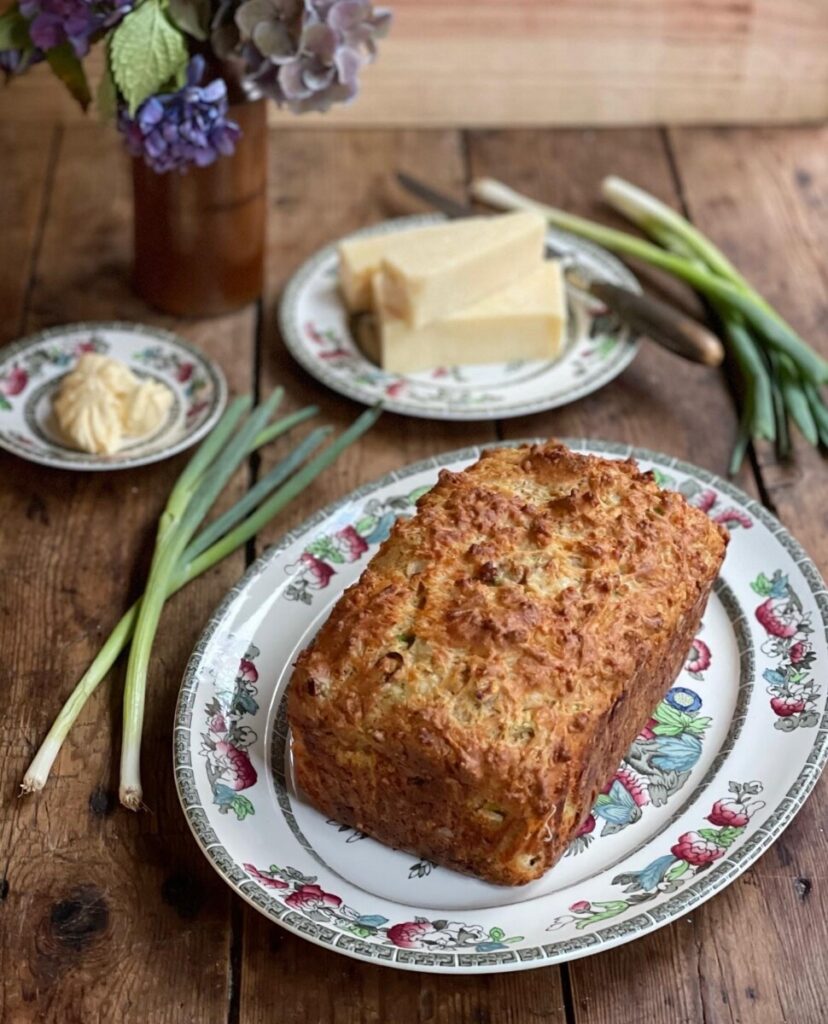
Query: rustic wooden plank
[[30, 155], [105, 911], [307, 984], [347, 175], [660, 402], [762, 196], [533, 62]]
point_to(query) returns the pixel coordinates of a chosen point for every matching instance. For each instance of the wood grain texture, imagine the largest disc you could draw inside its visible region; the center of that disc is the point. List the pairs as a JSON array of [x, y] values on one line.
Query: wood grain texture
[[105, 912], [24, 187], [555, 62]]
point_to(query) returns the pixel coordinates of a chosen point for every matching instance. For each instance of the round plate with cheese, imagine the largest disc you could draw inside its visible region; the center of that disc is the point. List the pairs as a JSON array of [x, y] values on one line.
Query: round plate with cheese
[[33, 373], [427, 371]]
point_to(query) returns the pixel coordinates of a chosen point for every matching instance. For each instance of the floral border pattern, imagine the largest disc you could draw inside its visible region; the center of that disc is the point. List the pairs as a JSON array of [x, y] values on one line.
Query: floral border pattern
[[794, 692], [228, 739], [349, 543], [185, 371], [656, 767], [15, 380], [302, 893], [691, 854]]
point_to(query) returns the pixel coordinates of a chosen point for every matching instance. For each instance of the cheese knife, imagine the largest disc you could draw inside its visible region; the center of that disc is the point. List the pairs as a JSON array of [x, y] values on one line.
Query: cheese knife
[[663, 324]]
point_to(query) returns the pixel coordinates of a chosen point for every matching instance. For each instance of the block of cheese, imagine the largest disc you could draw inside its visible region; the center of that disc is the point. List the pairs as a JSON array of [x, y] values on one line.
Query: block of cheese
[[360, 259], [460, 264], [525, 320]]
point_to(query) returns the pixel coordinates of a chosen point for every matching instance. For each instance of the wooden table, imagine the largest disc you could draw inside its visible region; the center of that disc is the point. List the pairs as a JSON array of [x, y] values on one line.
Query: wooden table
[[111, 916]]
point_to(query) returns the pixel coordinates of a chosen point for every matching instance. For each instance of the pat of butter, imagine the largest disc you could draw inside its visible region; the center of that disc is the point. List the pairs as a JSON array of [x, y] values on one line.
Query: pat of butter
[[526, 320], [460, 264], [101, 400]]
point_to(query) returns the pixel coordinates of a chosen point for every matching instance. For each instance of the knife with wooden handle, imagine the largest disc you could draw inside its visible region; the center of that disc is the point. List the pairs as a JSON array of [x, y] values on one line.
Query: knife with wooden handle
[[664, 324]]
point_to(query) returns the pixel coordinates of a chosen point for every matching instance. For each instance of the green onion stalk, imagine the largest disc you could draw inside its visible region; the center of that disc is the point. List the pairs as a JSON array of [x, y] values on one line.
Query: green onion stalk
[[190, 556], [782, 374]]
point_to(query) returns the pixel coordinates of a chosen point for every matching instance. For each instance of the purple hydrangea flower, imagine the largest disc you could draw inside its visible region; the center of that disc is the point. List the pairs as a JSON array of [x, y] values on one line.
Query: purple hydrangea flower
[[305, 54], [178, 130], [52, 22]]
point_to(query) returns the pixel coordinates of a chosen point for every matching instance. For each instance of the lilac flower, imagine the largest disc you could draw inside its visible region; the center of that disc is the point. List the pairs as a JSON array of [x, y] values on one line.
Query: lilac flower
[[175, 131], [305, 54], [52, 22]]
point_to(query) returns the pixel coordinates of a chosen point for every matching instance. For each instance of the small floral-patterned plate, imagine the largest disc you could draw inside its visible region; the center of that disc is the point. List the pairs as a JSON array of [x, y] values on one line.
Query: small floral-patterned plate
[[316, 330], [718, 770], [31, 370]]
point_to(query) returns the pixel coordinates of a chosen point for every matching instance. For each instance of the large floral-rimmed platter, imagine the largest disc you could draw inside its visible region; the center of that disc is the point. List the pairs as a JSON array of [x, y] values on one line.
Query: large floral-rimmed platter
[[717, 772], [316, 329], [31, 370]]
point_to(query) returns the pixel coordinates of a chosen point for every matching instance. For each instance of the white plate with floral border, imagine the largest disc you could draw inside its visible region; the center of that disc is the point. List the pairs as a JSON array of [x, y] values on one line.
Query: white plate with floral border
[[31, 369], [316, 330], [721, 767]]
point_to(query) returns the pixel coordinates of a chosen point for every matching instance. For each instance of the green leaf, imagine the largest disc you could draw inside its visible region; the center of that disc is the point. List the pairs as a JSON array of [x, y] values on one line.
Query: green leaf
[[761, 585], [191, 16], [677, 870], [106, 97], [69, 70], [667, 730], [5, 404], [722, 836], [14, 30], [612, 908], [668, 715], [698, 725], [146, 52], [242, 807], [729, 835]]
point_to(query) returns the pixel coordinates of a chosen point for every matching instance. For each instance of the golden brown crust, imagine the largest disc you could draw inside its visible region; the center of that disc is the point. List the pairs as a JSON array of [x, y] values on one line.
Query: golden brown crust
[[469, 696]]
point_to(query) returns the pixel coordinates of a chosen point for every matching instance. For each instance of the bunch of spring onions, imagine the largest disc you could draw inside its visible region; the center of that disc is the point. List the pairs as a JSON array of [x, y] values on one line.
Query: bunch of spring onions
[[185, 548], [782, 376]]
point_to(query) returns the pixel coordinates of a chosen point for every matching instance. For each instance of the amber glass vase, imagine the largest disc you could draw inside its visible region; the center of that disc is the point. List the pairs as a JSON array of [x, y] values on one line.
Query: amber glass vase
[[200, 236]]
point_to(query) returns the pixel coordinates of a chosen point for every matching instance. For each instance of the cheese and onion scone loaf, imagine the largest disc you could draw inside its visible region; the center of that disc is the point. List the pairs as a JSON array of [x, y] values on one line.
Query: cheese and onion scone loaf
[[472, 693]]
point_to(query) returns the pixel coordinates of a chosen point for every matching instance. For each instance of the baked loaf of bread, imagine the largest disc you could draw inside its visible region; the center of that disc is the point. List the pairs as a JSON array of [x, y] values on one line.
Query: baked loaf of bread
[[471, 694]]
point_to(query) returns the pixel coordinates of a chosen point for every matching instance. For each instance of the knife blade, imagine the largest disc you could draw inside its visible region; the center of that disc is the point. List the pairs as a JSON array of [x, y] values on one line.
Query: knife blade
[[661, 323]]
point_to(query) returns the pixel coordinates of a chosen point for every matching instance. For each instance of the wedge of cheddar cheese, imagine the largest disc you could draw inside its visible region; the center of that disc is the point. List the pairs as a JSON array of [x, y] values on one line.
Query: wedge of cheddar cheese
[[360, 259], [460, 265], [525, 320], [433, 271]]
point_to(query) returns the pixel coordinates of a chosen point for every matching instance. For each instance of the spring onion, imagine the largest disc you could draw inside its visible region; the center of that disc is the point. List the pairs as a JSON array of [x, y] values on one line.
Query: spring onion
[[781, 373], [224, 535]]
